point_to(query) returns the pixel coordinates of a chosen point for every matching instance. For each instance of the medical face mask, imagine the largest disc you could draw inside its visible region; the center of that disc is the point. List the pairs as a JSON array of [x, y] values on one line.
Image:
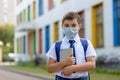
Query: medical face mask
[[70, 32]]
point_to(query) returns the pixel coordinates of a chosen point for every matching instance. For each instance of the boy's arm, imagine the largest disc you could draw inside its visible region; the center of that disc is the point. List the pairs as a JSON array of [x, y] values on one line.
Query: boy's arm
[[89, 65], [53, 66]]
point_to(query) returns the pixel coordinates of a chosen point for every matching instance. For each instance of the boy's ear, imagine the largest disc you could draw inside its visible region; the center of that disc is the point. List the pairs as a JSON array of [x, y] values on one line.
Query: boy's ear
[[80, 25]]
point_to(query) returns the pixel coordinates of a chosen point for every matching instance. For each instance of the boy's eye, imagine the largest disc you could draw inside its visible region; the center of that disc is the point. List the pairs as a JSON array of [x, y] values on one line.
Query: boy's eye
[[66, 25], [73, 25]]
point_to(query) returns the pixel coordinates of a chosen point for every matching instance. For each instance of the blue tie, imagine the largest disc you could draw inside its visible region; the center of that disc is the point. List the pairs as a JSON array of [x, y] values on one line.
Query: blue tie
[[72, 46]]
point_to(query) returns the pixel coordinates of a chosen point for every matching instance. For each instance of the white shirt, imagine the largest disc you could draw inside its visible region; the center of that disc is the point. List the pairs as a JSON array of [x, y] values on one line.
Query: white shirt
[[79, 53]]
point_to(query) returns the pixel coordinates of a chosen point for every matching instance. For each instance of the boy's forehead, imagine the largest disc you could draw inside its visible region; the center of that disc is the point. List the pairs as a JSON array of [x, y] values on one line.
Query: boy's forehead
[[70, 21]]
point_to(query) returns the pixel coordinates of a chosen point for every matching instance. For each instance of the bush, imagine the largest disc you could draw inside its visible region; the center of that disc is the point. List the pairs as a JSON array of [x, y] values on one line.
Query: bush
[[110, 61], [26, 64], [105, 71], [5, 58]]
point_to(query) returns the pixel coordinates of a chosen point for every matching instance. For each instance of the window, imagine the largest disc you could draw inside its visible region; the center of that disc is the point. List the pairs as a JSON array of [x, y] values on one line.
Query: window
[[21, 17], [24, 44], [20, 44], [40, 9], [32, 42], [17, 45], [50, 4], [40, 40], [17, 2], [29, 14], [47, 38], [24, 15], [34, 10], [63, 1], [20, 0], [17, 19], [116, 17], [97, 26], [82, 29], [56, 31]]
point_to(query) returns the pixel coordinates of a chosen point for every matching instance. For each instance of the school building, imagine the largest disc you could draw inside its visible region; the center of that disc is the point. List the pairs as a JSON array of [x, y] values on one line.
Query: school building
[[38, 24]]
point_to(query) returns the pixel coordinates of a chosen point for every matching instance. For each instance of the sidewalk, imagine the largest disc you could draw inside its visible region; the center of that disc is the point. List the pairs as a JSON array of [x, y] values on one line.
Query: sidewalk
[[27, 74]]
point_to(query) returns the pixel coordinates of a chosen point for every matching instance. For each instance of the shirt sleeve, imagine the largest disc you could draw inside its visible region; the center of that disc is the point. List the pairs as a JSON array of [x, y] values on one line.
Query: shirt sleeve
[[51, 53], [90, 50]]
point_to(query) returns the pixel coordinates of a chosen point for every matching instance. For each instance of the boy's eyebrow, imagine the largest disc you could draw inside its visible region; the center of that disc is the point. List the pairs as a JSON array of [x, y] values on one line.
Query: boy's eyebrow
[[66, 24], [73, 24]]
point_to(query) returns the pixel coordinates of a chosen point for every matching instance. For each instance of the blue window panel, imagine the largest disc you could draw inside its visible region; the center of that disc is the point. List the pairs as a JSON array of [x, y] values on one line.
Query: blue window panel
[[115, 21], [47, 38], [40, 5], [24, 44]]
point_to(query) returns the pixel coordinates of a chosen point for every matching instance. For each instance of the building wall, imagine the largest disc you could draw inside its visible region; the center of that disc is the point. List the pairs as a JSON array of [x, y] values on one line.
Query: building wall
[[7, 11], [47, 23]]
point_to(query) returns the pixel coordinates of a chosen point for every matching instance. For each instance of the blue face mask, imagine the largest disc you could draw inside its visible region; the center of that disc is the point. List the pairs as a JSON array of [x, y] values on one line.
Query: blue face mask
[[70, 32]]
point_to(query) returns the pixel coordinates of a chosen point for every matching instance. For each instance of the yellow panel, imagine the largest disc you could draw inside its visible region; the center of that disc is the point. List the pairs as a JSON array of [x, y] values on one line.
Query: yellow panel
[[93, 27], [34, 10], [32, 38], [62, 1], [30, 44], [18, 45], [56, 32], [24, 15]]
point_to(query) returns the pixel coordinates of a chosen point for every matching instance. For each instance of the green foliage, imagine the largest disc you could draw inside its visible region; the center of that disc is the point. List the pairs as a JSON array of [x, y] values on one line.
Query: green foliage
[[26, 64], [31, 64], [7, 36], [106, 71], [7, 33]]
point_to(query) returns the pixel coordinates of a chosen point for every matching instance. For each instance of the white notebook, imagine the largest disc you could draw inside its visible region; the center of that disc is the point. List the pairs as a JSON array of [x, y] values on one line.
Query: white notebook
[[65, 52]]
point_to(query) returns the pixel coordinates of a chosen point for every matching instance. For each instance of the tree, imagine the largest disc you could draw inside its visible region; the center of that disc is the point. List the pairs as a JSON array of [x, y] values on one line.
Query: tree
[[7, 36]]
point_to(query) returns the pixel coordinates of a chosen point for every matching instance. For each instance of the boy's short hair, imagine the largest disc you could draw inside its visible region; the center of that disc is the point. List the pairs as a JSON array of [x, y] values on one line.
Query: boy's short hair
[[71, 16]]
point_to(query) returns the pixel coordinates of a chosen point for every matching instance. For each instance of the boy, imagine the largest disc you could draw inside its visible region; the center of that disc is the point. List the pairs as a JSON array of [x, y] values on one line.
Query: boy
[[75, 66]]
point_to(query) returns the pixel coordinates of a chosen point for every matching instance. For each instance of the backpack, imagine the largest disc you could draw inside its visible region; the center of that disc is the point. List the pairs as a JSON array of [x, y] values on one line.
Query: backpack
[[84, 44], [58, 44]]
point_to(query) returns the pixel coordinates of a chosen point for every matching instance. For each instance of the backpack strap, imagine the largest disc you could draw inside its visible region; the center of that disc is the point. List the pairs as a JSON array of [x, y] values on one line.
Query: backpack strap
[[57, 50], [85, 46]]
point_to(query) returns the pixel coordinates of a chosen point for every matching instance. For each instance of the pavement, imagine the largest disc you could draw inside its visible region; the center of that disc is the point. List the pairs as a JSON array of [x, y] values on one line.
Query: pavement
[[8, 74]]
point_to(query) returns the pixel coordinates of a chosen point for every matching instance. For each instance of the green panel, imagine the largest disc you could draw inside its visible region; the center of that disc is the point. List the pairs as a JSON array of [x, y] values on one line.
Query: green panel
[[20, 0], [17, 45], [29, 13], [20, 17], [34, 42]]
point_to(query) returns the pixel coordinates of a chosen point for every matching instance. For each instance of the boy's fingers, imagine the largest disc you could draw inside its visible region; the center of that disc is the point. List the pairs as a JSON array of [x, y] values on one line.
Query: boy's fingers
[[70, 55]]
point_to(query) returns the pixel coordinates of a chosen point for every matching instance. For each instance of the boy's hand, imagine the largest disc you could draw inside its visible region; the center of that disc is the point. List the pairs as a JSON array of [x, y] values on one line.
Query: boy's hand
[[67, 71], [70, 60]]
